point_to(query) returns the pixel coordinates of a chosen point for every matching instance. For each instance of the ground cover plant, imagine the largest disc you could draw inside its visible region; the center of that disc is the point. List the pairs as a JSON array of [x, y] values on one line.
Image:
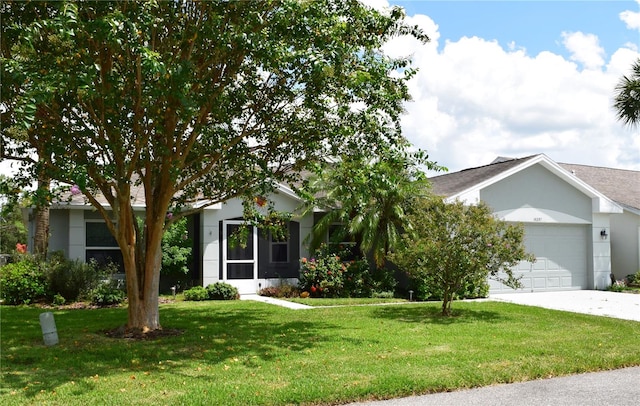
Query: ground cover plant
[[244, 353]]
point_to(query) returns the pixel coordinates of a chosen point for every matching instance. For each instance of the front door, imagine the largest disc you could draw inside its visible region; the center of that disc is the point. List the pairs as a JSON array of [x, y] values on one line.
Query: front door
[[240, 264]]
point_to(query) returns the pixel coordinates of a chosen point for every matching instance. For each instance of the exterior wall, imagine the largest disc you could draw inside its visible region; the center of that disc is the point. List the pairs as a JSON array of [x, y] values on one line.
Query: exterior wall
[[77, 245], [537, 196], [232, 209], [59, 231], [601, 254], [625, 244]]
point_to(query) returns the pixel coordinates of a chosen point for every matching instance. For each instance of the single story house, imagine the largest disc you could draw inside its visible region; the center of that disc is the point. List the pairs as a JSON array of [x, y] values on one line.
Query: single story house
[[582, 223], [79, 231]]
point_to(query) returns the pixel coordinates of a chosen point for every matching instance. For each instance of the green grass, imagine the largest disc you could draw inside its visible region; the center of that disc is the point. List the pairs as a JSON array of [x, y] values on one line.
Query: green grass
[[249, 353]]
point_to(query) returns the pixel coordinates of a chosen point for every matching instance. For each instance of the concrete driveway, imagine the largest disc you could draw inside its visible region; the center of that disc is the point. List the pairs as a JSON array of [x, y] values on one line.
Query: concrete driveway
[[600, 303]]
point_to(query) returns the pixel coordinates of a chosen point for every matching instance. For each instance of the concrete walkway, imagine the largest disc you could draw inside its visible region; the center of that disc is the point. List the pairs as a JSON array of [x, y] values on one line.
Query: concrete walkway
[[274, 301]]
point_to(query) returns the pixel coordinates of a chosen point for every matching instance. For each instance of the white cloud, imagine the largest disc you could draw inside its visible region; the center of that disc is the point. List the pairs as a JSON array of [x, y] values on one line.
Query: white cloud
[[474, 101], [631, 18], [584, 48]]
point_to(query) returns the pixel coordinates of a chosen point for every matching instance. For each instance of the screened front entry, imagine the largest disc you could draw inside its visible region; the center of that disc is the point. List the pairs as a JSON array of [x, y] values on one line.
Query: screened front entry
[[240, 261]]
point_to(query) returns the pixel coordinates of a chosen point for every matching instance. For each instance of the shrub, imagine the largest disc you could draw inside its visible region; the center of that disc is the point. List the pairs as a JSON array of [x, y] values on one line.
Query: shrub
[[383, 295], [222, 291], [23, 282], [75, 279], [196, 293], [107, 294], [322, 275], [59, 300], [271, 291], [326, 275], [634, 279], [280, 291], [618, 286]]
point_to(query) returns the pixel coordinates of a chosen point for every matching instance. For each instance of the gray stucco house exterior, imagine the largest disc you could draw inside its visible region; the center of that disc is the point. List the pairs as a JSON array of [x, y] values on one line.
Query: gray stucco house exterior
[[581, 222], [80, 232]]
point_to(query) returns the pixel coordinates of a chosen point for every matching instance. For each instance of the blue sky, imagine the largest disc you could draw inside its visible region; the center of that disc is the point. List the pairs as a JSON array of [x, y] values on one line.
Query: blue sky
[[535, 25], [515, 78]]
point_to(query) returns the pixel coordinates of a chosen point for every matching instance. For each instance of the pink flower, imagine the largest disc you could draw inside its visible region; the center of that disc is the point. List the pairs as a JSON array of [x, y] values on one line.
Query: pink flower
[[21, 248], [75, 190], [169, 215]]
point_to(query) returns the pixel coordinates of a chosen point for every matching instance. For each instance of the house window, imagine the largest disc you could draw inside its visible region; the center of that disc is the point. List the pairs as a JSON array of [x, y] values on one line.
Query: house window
[[101, 246], [279, 248], [337, 239]]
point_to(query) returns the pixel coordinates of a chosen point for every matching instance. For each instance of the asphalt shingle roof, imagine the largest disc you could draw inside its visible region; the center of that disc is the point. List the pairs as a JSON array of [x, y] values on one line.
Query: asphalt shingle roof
[[620, 185], [451, 183]]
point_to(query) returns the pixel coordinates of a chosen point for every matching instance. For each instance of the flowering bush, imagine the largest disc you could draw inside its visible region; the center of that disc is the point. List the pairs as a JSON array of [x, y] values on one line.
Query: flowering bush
[[322, 275], [327, 275], [283, 290]]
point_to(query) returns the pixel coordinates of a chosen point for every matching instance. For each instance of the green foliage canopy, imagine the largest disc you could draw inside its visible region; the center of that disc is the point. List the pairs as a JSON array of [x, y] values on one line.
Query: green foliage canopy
[[196, 102], [627, 97], [455, 244], [368, 198]]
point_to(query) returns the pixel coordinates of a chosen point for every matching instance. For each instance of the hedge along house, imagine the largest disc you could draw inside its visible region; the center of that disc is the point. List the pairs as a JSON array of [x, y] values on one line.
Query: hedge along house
[[580, 231], [79, 231]]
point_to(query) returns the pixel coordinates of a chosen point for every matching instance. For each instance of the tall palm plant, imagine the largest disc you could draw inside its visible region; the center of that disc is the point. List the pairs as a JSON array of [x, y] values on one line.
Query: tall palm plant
[[369, 200], [627, 97]]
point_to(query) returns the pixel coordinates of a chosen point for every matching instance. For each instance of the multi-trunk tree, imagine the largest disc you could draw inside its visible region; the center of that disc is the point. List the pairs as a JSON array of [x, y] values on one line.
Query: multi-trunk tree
[[454, 245], [196, 101]]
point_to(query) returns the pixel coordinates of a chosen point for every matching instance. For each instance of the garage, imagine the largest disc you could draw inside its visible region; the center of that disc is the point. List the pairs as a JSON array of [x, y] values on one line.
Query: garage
[[561, 252]]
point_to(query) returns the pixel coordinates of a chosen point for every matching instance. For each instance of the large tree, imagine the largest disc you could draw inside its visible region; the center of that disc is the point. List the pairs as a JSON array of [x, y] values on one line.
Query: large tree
[[199, 100], [627, 97]]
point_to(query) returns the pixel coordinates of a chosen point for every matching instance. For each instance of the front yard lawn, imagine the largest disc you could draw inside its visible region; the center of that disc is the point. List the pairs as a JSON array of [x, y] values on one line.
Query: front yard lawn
[[244, 353]]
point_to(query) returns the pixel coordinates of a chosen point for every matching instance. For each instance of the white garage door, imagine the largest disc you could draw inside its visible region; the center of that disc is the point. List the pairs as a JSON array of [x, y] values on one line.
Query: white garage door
[[561, 253]]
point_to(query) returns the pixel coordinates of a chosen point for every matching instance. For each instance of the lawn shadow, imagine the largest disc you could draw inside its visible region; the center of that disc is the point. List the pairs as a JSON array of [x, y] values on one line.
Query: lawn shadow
[[214, 333], [431, 313]]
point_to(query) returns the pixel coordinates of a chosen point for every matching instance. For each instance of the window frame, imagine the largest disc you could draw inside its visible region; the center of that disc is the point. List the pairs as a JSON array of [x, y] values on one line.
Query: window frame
[[284, 243]]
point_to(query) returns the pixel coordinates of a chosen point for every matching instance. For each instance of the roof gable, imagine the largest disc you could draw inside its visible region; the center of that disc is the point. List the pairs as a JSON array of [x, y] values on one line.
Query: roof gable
[[452, 184], [466, 185]]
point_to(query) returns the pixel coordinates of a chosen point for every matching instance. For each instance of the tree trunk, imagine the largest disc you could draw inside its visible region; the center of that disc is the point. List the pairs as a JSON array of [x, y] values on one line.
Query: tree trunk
[[447, 298], [41, 220], [141, 266], [142, 292]]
